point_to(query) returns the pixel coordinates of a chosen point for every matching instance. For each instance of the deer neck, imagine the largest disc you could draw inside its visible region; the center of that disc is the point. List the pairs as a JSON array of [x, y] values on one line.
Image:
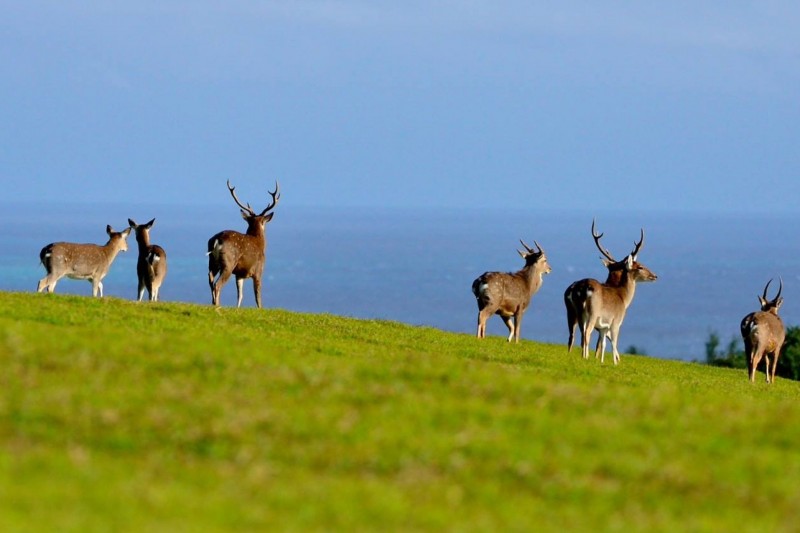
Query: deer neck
[[532, 276], [112, 248], [256, 230], [143, 240], [627, 287]]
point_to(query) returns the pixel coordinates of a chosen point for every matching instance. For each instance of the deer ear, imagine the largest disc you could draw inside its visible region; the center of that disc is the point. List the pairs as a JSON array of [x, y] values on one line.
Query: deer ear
[[108, 229], [126, 232], [131, 223], [762, 301], [268, 217], [629, 262], [150, 224], [522, 254], [244, 213], [606, 262]]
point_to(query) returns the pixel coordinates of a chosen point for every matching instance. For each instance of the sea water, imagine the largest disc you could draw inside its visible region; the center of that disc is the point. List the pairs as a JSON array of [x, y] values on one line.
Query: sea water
[[417, 265]]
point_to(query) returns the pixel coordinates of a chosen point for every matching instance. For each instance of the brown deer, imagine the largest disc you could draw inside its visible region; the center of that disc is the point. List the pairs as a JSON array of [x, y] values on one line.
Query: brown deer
[[508, 294], [81, 261], [151, 267], [763, 334], [602, 306], [240, 254]]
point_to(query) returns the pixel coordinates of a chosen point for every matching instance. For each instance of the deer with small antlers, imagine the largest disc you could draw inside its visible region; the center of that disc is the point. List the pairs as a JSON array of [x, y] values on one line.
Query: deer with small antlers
[[509, 294], [602, 306], [151, 267], [764, 334], [240, 254], [81, 261]]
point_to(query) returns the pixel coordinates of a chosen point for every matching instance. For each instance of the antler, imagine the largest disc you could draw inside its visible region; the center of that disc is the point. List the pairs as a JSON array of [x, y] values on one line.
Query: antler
[[235, 199], [638, 245], [531, 250], [603, 251], [276, 196], [780, 289]]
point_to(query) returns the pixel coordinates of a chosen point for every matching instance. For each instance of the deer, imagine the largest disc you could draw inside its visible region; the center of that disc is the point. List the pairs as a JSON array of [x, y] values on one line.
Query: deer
[[508, 294], [240, 254], [764, 334], [602, 306], [81, 261], [151, 266]]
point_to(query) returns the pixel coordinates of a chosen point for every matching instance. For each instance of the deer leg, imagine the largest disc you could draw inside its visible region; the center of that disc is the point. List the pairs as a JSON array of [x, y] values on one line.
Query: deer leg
[[510, 325], [571, 323], [140, 290], [148, 284], [47, 283], [774, 365], [517, 325], [614, 337], [586, 333], [257, 291], [601, 344], [754, 360], [766, 365], [211, 286], [239, 287], [216, 285], [483, 316]]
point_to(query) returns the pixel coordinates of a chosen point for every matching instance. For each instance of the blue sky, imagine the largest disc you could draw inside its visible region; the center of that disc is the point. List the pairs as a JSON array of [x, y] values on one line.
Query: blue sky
[[580, 105]]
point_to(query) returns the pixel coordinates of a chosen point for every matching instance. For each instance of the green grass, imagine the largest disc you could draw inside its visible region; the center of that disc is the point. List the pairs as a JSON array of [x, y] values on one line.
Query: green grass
[[118, 416]]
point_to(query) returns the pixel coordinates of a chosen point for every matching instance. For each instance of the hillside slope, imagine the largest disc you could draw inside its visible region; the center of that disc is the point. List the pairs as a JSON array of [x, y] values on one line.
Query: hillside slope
[[174, 417]]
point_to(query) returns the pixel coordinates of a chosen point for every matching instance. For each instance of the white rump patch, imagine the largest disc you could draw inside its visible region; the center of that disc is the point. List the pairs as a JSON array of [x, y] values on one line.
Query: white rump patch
[[215, 248]]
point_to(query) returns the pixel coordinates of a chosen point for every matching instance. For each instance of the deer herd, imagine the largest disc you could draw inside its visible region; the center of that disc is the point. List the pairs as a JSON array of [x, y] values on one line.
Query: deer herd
[[591, 305]]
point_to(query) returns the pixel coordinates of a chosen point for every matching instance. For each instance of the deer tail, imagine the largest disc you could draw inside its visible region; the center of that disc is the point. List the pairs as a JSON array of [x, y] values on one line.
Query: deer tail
[[45, 257]]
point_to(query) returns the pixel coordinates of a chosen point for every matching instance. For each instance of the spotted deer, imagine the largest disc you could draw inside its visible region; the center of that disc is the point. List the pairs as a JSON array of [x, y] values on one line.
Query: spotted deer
[[763, 335], [602, 306], [509, 294], [81, 261], [151, 267], [240, 254]]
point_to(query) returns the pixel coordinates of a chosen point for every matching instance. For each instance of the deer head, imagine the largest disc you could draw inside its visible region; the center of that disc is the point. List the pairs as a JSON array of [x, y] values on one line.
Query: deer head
[[256, 221], [771, 306]]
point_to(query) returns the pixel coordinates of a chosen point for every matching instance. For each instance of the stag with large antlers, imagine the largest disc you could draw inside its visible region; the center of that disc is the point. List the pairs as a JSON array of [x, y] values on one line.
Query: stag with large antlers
[[509, 294], [151, 267], [240, 254], [763, 334], [602, 306], [81, 261]]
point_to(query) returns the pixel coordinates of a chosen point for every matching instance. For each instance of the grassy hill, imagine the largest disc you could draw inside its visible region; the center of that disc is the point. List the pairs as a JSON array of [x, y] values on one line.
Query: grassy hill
[[173, 417]]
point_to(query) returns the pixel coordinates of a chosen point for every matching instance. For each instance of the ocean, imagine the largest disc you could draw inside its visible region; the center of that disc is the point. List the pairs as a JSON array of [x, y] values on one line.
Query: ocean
[[417, 265]]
